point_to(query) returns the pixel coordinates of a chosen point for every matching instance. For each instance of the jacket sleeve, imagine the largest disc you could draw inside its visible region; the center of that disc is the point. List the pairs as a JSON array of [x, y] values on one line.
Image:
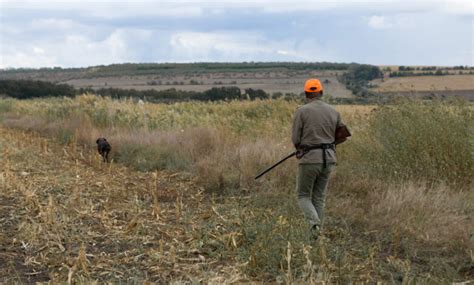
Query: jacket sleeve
[[297, 128]]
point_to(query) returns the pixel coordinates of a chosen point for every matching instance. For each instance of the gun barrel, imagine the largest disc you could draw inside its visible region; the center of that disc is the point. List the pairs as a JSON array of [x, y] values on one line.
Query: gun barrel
[[275, 165]]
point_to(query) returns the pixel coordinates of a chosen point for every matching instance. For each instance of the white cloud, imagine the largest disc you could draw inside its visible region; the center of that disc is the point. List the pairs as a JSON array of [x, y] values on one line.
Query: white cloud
[[38, 50], [109, 9], [75, 50], [26, 59], [459, 7], [203, 46], [79, 33], [144, 9], [378, 22], [194, 8], [53, 23], [123, 45], [243, 46], [231, 42]]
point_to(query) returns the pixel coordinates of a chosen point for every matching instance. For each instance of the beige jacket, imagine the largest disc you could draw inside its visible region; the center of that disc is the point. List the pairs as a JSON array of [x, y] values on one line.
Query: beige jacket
[[315, 123]]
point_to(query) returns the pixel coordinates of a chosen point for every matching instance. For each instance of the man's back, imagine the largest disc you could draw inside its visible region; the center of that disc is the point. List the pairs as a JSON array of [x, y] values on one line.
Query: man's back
[[314, 132], [315, 123]]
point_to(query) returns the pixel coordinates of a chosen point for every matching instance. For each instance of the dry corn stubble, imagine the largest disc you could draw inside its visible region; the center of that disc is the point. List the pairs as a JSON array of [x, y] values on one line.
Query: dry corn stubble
[[66, 220]]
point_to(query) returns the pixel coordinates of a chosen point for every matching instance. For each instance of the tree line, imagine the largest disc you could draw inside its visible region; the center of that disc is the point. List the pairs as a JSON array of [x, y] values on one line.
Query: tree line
[[438, 72], [174, 95], [432, 68], [26, 89]]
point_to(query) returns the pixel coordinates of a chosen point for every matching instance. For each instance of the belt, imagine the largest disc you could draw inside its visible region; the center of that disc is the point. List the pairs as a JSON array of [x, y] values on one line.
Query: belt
[[323, 146]]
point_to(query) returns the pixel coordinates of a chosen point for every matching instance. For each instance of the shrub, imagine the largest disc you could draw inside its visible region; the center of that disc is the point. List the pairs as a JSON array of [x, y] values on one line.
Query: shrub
[[413, 140]]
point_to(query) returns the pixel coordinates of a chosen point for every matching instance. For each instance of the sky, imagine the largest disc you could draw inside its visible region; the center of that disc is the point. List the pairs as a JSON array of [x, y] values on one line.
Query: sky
[[50, 33]]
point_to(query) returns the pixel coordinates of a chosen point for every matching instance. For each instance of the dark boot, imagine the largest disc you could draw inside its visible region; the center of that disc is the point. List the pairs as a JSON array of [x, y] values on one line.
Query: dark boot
[[315, 232]]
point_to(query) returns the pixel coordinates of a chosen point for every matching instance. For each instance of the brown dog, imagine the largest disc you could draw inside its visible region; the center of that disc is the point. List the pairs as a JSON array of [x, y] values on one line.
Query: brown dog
[[104, 148]]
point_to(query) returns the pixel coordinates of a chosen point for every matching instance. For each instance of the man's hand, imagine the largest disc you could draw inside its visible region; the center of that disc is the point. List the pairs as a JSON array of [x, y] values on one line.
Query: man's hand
[[299, 153]]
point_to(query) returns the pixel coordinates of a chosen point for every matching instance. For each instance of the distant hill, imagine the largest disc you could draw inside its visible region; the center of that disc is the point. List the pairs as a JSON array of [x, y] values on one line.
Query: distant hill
[[58, 74]]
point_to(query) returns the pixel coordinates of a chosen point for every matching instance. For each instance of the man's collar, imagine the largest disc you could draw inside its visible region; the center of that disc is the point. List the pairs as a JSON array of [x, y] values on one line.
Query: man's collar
[[313, 100]]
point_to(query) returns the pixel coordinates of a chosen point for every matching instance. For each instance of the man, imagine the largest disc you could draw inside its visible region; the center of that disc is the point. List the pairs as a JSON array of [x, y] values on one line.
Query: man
[[314, 136]]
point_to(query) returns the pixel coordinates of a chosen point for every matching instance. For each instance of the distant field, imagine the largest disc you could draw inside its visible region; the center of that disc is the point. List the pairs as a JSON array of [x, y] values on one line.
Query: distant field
[[270, 77], [270, 82], [425, 83]]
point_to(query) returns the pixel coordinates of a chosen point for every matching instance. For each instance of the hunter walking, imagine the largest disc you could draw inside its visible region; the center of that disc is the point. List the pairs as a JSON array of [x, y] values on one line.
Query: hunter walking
[[317, 128]]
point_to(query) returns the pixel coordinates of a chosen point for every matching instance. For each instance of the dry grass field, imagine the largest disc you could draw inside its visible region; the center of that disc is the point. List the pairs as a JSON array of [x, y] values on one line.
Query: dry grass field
[[179, 202], [425, 83]]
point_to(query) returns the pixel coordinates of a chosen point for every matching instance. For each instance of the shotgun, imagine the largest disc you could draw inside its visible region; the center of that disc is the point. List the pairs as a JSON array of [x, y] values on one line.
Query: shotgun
[[342, 133], [275, 165]]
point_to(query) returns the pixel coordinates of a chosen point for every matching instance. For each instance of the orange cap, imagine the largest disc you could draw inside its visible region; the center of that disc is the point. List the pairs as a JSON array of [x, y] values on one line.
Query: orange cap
[[313, 85]]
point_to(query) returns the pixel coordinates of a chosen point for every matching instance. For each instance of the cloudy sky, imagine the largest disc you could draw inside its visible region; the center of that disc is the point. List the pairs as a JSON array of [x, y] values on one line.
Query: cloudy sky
[[47, 33]]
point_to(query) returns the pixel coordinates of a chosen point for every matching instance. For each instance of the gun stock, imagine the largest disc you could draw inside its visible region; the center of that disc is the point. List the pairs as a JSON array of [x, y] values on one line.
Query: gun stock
[[342, 133]]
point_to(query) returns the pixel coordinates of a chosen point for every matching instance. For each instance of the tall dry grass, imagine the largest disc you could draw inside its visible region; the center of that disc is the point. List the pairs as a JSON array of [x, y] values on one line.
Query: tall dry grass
[[412, 140], [227, 143], [211, 140]]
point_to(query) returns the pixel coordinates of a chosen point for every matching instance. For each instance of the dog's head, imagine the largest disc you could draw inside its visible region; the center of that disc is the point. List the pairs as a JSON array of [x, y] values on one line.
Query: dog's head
[[100, 141]]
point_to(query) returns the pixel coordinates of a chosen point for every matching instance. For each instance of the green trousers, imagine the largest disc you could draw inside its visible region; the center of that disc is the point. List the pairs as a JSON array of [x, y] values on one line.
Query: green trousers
[[311, 187]]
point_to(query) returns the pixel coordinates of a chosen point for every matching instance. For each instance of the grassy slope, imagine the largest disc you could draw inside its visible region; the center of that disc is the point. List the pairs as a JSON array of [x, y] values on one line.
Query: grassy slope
[[165, 68]]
